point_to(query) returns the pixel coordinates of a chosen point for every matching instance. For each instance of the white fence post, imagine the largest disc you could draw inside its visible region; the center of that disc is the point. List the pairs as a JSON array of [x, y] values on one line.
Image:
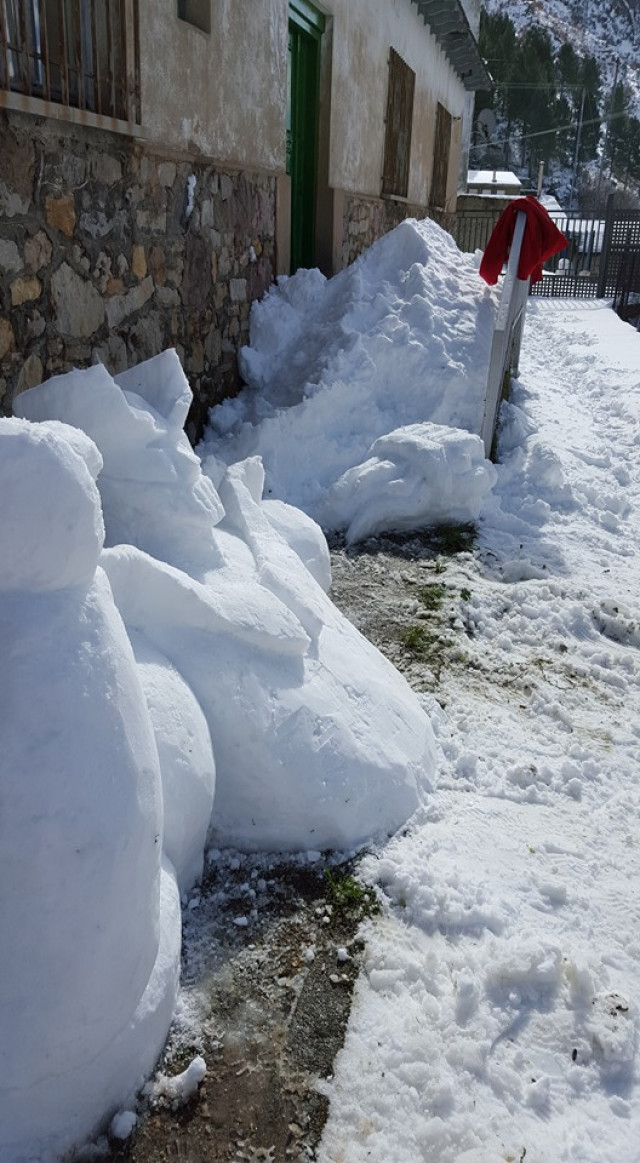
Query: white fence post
[[507, 334]]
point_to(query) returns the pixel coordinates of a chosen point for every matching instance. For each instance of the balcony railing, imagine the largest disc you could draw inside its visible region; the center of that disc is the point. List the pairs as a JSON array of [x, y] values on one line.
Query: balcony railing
[[79, 54]]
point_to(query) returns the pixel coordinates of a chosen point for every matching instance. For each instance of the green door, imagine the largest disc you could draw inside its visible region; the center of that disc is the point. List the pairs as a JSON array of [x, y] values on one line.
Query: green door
[[306, 26]]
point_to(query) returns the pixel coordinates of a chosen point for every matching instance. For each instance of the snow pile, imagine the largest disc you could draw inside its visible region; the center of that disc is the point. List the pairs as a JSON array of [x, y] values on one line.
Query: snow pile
[[89, 917], [400, 339], [318, 741], [108, 774]]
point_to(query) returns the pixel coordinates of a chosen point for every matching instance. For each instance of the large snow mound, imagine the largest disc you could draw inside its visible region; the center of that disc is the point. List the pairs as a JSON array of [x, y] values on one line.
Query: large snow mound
[[400, 338], [318, 741]]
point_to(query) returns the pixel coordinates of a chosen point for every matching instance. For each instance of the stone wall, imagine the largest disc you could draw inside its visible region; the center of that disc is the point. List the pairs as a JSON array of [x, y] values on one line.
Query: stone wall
[[367, 219], [112, 252]]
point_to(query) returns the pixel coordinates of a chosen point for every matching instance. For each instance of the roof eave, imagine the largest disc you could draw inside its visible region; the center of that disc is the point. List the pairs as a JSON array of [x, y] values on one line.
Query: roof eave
[[449, 25]]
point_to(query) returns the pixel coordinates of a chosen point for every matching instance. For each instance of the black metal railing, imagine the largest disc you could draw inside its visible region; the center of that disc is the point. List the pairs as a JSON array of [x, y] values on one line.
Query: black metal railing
[[573, 272]]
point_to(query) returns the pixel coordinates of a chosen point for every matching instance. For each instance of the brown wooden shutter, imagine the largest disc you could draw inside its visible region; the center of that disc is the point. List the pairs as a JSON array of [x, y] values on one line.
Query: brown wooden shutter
[[397, 145], [441, 150]]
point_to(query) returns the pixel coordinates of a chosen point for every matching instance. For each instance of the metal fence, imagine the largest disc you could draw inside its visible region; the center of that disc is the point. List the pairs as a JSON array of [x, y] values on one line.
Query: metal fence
[[574, 272], [601, 259]]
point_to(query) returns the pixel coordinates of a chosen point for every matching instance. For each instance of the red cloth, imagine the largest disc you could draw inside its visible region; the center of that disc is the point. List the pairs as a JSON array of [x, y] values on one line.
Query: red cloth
[[541, 239]]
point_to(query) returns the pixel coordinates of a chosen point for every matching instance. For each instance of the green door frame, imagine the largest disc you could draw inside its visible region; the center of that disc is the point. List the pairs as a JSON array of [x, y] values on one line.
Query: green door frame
[[306, 26]]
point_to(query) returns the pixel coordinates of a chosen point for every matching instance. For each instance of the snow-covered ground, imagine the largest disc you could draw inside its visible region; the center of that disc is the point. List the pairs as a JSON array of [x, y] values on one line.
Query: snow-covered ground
[[497, 1014], [200, 661]]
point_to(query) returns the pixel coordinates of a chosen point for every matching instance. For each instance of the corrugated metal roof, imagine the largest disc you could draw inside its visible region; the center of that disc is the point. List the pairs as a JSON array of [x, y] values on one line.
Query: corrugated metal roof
[[448, 23]]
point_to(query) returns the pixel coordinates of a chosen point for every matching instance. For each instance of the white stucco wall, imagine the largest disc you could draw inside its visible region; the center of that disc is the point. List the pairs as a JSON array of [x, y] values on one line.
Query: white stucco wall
[[363, 32], [224, 93]]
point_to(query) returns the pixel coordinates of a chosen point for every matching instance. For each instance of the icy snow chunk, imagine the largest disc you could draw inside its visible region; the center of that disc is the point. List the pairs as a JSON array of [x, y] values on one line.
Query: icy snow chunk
[[162, 383], [545, 475], [164, 602], [151, 477], [422, 474], [123, 1124], [538, 1093], [278, 566], [179, 1088], [613, 1023], [524, 972]]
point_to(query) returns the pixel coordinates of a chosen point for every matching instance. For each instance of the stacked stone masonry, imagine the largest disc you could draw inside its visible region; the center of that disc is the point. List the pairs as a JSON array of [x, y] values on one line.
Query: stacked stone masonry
[[109, 252], [367, 219]]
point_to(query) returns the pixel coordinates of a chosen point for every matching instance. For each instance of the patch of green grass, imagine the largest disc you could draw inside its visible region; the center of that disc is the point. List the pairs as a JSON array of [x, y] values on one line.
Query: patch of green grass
[[425, 647], [348, 895], [452, 539], [465, 594], [417, 639], [431, 596]]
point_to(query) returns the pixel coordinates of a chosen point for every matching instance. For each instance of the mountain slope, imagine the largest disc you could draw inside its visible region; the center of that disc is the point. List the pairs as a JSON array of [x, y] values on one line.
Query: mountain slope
[[609, 30]]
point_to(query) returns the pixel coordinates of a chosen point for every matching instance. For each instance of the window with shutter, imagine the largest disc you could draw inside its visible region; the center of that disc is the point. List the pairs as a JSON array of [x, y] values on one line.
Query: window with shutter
[[397, 145], [442, 148], [83, 54]]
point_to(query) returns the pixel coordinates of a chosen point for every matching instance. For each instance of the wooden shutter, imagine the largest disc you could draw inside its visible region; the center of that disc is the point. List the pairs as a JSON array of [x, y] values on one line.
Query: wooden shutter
[[441, 152], [397, 145]]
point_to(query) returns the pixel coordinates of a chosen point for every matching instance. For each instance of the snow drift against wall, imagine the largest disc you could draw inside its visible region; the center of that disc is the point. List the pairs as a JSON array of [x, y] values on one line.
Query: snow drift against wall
[[399, 339]]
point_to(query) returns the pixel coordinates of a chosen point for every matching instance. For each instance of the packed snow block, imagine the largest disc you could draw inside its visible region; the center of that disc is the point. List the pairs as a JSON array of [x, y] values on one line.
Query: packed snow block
[[305, 537], [300, 532], [278, 566], [51, 538], [90, 946], [155, 496], [321, 750], [149, 592], [419, 475], [162, 383], [151, 474], [186, 761]]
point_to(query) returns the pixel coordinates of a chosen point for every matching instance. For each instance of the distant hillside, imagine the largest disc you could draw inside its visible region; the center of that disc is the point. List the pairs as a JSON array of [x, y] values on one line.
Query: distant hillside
[[605, 29]]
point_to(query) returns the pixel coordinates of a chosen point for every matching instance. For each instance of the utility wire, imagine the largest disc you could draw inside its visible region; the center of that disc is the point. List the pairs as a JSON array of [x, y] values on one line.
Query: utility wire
[[545, 132]]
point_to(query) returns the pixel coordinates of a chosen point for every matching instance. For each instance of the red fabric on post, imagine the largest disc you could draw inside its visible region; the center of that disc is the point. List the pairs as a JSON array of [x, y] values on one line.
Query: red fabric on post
[[541, 239]]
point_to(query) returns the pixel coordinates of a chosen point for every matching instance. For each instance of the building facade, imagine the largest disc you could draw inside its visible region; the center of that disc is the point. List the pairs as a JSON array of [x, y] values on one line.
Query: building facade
[[164, 160]]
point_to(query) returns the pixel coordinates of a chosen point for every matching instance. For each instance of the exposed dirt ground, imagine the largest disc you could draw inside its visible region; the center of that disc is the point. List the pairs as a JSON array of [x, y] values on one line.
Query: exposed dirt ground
[[271, 949]]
